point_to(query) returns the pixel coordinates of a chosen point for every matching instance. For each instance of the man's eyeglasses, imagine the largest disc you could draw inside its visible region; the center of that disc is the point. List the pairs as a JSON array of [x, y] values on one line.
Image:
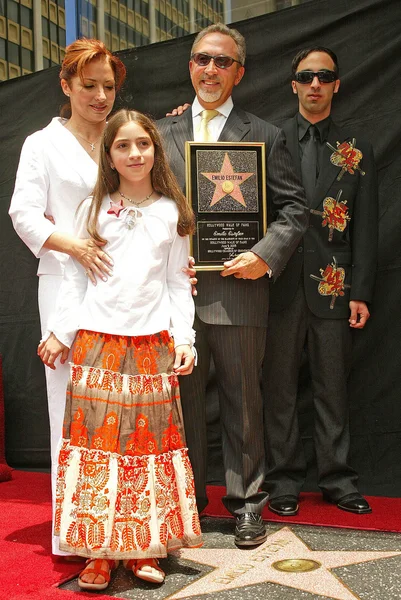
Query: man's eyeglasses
[[324, 76], [221, 61]]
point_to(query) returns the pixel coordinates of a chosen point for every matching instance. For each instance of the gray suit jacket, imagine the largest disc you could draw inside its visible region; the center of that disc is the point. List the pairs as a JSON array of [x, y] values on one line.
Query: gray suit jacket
[[227, 300]]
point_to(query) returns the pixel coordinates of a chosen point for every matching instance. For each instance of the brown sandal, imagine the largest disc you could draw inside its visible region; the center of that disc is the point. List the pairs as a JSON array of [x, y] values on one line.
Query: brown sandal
[[147, 569], [97, 570]]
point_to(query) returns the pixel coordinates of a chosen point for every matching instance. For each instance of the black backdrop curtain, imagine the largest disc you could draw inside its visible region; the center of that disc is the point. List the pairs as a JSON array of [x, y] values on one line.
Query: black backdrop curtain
[[366, 35]]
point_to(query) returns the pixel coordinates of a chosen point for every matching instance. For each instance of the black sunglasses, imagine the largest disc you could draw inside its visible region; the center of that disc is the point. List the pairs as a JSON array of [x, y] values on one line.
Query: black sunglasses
[[221, 61], [324, 76]]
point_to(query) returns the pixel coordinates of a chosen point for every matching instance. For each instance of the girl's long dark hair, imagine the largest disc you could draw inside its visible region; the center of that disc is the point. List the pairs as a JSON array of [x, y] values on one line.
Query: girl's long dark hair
[[162, 177]]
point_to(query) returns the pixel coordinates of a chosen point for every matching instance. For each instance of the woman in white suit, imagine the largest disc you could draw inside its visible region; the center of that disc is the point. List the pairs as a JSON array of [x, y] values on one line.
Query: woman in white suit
[[57, 170]]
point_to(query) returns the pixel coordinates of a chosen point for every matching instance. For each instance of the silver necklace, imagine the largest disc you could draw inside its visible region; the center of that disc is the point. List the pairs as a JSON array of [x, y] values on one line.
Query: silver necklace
[[91, 144], [132, 201]]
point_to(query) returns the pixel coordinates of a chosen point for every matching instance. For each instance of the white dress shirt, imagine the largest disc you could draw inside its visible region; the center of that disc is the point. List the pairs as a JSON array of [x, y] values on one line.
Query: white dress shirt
[[215, 125], [54, 175], [148, 291]]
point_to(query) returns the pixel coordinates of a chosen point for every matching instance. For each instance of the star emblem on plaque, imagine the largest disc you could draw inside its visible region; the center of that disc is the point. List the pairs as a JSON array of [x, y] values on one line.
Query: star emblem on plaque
[[228, 183], [226, 186]]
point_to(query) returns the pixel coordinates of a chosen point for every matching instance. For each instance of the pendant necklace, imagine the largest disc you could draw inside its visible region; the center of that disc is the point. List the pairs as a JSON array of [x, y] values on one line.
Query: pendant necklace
[[132, 201], [91, 144]]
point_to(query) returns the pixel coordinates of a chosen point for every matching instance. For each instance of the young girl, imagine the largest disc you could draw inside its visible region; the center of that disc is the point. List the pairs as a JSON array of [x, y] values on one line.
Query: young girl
[[57, 170], [125, 484]]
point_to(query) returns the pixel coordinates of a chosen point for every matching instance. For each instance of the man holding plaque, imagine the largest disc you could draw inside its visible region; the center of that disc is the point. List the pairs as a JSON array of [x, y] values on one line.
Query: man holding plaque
[[232, 307], [323, 292]]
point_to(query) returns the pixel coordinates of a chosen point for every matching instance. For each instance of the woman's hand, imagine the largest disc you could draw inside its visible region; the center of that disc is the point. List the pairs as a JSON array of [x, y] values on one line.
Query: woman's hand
[[50, 349], [184, 360], [95, 261], [191, 272], [50, 218], [179, 110]]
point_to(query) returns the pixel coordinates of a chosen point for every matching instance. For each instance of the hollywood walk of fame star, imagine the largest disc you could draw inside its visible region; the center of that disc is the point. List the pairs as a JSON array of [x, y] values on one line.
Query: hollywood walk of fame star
[[227, 181], [115, 208], [283, 559]]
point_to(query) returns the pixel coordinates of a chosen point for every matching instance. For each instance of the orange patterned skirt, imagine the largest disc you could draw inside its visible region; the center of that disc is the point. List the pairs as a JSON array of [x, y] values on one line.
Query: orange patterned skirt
[[125, 484]]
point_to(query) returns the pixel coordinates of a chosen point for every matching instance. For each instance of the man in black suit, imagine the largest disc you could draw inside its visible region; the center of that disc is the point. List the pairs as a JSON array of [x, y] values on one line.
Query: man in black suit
[[232, 307], [324, 291]]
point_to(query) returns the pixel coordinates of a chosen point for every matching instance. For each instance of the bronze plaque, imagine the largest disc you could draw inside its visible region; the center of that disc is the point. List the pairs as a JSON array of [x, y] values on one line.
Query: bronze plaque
[[226, 186], [296, 565]]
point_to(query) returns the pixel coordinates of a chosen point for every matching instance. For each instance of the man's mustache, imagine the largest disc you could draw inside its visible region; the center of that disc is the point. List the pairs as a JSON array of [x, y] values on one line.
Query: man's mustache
[[211, 78]]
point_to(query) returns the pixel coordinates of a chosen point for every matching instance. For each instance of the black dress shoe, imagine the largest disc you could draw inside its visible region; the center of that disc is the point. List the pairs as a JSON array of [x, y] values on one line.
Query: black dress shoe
[[354, 503], [250, 530], [285, 506]]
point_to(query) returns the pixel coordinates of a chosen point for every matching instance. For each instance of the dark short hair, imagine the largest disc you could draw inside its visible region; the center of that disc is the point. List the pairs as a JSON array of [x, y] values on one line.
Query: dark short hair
[[302, 54]]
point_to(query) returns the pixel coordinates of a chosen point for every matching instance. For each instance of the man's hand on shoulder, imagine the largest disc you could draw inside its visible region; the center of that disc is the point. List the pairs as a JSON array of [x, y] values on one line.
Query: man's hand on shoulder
[[179, 110], [247, 265]]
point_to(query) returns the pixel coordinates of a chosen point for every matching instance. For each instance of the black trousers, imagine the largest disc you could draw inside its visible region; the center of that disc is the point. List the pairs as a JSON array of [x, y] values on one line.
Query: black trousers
[[328, 346], [238, 355]]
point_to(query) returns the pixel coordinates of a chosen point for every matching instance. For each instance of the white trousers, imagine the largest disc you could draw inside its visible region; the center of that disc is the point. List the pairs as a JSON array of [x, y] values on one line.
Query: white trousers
[[56, 384]]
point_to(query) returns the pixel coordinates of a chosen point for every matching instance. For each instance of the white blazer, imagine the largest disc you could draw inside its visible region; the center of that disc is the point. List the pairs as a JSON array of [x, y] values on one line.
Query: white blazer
[[54, 175]]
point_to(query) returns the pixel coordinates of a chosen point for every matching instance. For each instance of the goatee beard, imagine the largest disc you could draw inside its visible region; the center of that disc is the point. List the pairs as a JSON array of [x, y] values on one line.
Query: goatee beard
[[209, 96]]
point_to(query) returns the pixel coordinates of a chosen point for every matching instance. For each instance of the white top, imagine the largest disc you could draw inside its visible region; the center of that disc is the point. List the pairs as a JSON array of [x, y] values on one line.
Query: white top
[[148, 291], [54, 175], [215, 125]]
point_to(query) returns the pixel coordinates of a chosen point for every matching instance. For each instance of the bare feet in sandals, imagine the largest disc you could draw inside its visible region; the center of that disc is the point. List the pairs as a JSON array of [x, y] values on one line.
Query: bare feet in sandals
[[96, 575], [147, 569]]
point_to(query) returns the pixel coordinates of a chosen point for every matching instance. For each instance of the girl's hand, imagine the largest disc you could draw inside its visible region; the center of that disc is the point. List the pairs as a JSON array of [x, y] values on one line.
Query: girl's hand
[[95, 261], [50, 349], [184, 360]]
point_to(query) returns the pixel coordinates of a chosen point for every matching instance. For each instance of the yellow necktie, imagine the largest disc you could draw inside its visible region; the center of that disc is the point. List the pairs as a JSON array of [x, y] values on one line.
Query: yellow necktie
[[204, 133]]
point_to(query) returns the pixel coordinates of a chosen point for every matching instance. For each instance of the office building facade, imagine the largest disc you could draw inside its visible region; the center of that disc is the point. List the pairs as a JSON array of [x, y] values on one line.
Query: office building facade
[[34, 33]]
